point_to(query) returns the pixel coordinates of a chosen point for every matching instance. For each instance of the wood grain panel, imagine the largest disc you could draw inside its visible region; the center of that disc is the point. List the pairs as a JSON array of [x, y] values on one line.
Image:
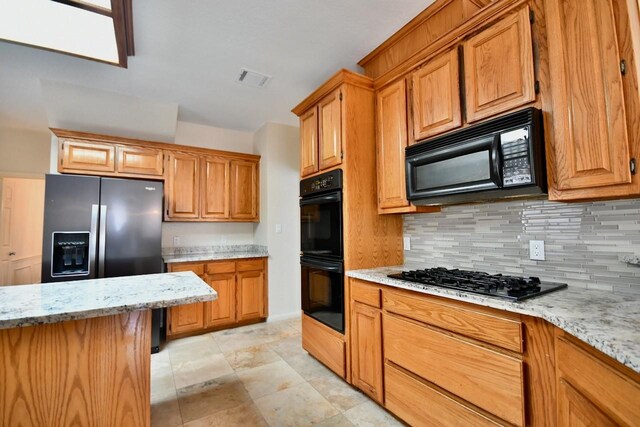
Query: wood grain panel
[[607, 388], [140, 161], [222, 311], [216, 187], [183, 186], [365, 292], [330, 130], [498, 64], [221, 267], [324, 344], [436, 96], [420, 404], [250, 295], [483, 377], [589, 120], [309, 142], [366, 350], [91, 372], [486, 325], [92, 156], [245, 190]]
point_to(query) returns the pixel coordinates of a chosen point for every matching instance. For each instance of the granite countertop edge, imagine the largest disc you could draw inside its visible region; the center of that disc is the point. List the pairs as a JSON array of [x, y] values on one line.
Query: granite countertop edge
[[213, 256], [589, 330], [57, 313]]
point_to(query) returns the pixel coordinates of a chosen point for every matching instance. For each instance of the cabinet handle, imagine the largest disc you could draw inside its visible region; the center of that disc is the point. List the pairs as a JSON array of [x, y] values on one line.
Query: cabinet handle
[[632, 166], [623, 67], [12, 253]]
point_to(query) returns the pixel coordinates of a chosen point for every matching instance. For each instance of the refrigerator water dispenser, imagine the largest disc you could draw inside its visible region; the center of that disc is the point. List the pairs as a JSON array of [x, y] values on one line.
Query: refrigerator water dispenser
[[70, 254]]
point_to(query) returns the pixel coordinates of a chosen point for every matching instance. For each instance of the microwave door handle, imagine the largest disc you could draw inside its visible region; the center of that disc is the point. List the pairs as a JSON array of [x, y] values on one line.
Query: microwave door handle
[[494, 158]]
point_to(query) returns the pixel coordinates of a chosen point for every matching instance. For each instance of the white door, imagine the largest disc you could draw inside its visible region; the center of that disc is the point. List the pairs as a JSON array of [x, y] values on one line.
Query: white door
[[21, 220]]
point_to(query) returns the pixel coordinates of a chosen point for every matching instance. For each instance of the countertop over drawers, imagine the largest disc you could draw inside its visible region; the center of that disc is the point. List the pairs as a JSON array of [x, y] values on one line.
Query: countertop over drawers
[[606, 321], [213, 253]]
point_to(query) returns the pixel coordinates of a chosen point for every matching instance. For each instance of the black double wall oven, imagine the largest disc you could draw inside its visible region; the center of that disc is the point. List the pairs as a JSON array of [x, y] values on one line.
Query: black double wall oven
[[321, 249]]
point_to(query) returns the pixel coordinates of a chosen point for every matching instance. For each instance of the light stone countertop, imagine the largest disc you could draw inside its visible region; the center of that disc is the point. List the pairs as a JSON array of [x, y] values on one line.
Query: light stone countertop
[[212, 253], [606, 321], [27, 305]]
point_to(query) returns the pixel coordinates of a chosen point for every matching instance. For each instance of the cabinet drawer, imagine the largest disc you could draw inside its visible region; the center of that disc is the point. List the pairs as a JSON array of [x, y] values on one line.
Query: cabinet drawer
[[609, 389], [419, 404], [323, 344], [365, 293], [221, 267], [456, 317], [251, 264], [488, 379], [196, 268]]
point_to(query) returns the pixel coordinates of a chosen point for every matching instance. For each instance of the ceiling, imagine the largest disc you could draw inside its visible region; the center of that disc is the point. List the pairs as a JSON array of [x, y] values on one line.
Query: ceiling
[[189, 54]]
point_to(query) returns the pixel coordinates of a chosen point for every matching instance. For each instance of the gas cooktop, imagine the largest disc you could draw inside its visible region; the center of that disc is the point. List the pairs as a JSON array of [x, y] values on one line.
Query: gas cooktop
[[512, 288]]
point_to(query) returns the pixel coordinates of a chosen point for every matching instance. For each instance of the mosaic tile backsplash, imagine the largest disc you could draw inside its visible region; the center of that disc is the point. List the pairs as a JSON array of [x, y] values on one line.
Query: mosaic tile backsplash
[[590, 245]]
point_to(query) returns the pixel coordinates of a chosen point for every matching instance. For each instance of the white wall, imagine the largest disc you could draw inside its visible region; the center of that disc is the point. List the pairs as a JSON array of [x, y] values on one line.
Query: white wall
[[205, 234], [24, 152], [279, 176]]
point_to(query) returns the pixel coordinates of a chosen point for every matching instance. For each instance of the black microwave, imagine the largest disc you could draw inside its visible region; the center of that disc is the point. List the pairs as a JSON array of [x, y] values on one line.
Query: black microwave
[[500, 158]]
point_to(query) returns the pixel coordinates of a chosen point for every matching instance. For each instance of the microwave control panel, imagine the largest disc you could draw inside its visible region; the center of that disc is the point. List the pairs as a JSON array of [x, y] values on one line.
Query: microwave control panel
[[516, 165]]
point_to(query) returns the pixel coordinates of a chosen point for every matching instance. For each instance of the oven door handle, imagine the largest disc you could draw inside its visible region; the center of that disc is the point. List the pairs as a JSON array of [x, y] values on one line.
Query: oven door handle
[[337, 268], [329, 198]]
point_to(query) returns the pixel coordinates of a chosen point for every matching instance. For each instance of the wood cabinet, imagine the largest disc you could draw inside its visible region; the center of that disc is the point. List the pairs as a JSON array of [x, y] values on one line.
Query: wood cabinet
[[366, 350], [86, 156], [391, 141], [436, 96], [242, 296], [183, 185], [216, 187], [595, 100], [498, 67], [139, 160], [244, 190], [309, 142]]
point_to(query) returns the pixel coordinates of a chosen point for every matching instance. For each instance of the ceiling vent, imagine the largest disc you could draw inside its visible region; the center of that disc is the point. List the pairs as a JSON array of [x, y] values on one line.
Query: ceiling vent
[[253, 78]]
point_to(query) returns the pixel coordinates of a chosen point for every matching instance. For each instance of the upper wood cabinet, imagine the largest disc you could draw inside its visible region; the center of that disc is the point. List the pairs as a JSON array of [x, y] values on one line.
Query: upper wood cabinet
[[595, 99], [498, 67], [183, 186], [436, 96], [244, 190], [216, 187], [330, 141], [139, 160], [86, 156], [309, 142]]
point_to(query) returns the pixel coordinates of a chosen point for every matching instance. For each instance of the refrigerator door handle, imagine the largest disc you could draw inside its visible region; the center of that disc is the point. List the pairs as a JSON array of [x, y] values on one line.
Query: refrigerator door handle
[[93, 240], [102, 240]]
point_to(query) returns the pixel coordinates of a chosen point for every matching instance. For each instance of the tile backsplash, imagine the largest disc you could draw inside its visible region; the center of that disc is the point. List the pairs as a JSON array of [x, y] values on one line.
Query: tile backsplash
[[585, 243]]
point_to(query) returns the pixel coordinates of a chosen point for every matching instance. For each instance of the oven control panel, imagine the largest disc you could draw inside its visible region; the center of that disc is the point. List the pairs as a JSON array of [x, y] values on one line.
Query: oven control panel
[[329, 181], [516, 165]]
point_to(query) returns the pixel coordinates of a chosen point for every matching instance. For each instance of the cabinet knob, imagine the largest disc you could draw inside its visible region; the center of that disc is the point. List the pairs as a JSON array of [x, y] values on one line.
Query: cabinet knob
[[12, 253]]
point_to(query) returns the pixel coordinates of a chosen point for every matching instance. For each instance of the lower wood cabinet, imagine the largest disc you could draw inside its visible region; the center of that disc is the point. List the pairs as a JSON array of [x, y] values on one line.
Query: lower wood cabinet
[[242, 296], [366, 350]]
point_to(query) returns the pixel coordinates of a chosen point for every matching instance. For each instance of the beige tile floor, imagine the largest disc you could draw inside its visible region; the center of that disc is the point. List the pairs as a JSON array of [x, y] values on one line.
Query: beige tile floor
[[256, 375]]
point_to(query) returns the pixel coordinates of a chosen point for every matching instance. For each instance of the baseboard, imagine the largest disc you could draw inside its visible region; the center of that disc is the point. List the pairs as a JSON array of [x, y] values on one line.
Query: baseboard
[[285, 316]]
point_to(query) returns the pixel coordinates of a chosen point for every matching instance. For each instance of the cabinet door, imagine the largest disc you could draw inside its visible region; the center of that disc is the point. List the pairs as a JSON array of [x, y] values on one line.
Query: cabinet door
[[140, 161], [575, 410], [245, 190], [498, 67], [186, 318], [391, 135], [250, 293], [366, 349], [223, 310], [436, 96], [591, 144], [87, 156], [183, 186], [309, 142], [330, 140], [215, 187]]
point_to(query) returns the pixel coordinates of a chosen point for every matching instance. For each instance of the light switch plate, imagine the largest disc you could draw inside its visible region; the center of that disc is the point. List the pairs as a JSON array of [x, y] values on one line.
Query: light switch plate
[[278, 228], [407, 243], [536, 250]]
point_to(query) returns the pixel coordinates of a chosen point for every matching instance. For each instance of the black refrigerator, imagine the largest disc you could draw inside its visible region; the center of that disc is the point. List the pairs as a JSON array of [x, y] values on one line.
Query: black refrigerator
[[102, 227]]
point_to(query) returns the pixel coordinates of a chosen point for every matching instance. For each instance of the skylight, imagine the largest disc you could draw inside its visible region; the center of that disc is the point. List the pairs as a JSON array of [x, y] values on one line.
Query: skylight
[[82, 28]]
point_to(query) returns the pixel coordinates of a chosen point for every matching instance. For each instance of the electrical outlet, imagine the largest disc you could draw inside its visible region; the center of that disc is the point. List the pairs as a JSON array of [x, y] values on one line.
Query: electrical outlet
[[278, 228], [176, 240], [407, 243], [536, 250]]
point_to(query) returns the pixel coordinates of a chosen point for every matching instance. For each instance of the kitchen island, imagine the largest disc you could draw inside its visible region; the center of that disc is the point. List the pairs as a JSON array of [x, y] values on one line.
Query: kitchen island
[[78, 352]]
